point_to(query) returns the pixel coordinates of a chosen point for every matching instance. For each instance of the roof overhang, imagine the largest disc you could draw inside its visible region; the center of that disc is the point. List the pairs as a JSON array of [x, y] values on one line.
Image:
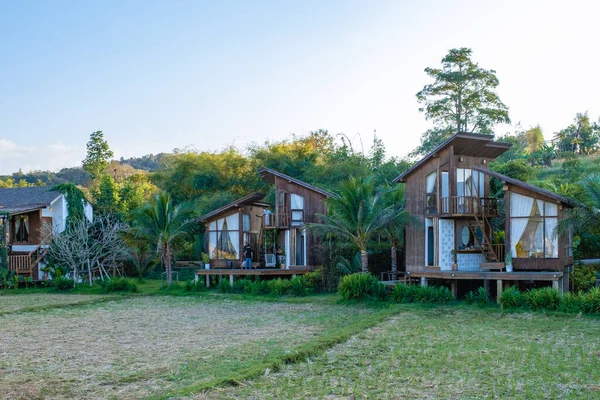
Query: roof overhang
[[251, 199], [512, 181], [465, 144], [269, 175]]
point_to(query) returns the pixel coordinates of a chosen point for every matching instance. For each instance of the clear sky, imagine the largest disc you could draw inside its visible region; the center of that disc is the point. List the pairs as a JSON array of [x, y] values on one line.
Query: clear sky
[[159, 75]]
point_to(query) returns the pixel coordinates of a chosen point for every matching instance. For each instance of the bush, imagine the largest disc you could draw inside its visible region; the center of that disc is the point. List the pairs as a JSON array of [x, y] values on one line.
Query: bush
[[314, 280], [572, 302], [119, 285], [542, 299], [592, 301], [481, 297], [511, 297], [358, 286], [225, 287], [403, 293], [584, 277], [279, 287], [62, 283], [193, 286], [470, 297], [260, 287], [433, 295], [298, 286]]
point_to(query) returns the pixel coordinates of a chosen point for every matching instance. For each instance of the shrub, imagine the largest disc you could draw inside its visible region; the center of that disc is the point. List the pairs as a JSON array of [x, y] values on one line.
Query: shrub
[[481, 297], [542, 299], [433, 295], [572, 302], [592, 301], [298, 286], [260, 287], [119, 285], [403, 293], [511, 297], [62, 283], [358, 286], [225, 287], [470, 297], [279, 287], [584, 277], [194, 286], [314, 280]]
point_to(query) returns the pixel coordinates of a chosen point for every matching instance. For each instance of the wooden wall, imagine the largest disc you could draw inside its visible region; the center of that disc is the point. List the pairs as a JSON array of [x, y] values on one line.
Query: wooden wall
[[314, 203], [35, 224]]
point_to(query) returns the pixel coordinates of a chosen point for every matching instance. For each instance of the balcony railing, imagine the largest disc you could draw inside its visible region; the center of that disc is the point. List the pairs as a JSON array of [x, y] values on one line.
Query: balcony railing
[[466, 205]]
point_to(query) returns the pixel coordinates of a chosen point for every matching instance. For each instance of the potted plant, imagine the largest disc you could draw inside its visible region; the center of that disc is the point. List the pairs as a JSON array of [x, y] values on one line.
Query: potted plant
[[206, 260], [454, 264], [508, 262]]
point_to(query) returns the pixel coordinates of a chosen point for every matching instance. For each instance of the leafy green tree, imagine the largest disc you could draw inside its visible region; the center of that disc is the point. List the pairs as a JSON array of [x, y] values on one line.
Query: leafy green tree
[[462, 98], [107, 197], [581, 137], [535, 139], [356, 215], [98, 155], [163, 224]]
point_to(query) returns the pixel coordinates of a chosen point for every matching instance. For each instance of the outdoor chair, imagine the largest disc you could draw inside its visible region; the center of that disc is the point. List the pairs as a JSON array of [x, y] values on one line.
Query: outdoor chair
[[270, 260]]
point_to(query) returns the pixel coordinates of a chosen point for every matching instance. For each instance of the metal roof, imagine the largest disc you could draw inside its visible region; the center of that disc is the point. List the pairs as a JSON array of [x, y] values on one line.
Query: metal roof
[[251, 199], [516, 182], [265, 172], [26, 198], [465, 144]]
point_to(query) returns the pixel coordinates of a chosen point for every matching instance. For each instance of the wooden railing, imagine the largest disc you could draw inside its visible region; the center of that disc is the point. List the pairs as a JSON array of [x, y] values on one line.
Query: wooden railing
[[466, 205], [499, 250], [283, 217], [21, 264]]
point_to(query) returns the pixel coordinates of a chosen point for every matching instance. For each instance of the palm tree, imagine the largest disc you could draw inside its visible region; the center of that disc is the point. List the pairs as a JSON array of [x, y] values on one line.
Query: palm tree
[[394, 232], [584, 218], [356, 215], [163, 223]]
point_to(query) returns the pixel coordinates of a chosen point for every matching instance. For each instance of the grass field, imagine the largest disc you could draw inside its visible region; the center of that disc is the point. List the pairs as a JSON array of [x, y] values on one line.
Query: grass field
[[227, 346]]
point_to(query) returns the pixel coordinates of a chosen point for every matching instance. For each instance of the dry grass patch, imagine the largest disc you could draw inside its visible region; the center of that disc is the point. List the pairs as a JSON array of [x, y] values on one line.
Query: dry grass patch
[[452, 354], [25, 301], [149, 346]]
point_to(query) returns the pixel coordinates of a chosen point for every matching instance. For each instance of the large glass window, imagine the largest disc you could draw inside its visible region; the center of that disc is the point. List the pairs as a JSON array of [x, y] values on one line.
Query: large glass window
[[224, 238], [532, 224], [431, 193], [21, 228], [469, 183], [297, 208]]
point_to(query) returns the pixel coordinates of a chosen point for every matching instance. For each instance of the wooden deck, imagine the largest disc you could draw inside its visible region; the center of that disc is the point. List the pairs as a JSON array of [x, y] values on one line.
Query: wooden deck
[[489, 275], [233, 272]]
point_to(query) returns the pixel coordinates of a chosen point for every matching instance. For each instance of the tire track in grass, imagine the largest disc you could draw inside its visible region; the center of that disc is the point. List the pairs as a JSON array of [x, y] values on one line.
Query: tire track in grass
[[44, 307]]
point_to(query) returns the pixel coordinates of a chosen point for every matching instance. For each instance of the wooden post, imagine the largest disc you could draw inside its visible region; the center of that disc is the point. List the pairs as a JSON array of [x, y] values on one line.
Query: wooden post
[[498, 290], [220, 278], [196, 278], [454, 288], [231, 280], [207, 281], [486, 284], [555, 285], [423, 281]]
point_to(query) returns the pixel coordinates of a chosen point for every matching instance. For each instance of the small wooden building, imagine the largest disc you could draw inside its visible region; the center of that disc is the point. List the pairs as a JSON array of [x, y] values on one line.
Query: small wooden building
[[229, 227], [449, 189], [23, 211], [296, 204]]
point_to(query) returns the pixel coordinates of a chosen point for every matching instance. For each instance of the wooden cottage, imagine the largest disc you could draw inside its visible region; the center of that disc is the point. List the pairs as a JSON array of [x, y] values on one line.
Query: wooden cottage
[[296, 204], [23, 211], [229, 227], [449, 189]]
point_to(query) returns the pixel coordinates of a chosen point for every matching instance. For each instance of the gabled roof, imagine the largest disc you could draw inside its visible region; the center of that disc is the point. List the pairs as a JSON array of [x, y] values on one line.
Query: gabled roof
[[268, 174], [251, 199], [19, 200], [465, 144], [521, 184]]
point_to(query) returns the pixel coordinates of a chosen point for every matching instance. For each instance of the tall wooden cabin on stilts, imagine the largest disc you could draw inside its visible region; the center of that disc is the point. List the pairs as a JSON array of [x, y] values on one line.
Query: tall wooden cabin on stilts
[[449, 189]]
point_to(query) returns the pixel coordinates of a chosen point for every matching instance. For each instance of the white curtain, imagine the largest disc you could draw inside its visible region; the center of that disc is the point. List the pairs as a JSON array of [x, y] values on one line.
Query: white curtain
[[212, 245], [520, 206], [540, 204], [17, 227], [220, 223], [297, 202], [431, 182], [212, 226], [233, 224], [550, 210], [551, 239]]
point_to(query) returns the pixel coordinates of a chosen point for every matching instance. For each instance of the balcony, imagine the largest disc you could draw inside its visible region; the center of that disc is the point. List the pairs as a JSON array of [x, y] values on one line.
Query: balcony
[[467, 205]]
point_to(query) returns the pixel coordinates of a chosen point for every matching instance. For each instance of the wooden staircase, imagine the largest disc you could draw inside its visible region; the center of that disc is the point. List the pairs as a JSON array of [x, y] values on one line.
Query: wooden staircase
[[485, 244]]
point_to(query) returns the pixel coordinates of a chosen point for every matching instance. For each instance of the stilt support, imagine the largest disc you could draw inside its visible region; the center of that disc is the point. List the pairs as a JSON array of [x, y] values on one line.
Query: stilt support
[[207, 281], [454, 288], [498, 290], [423, 281], [231, 280]]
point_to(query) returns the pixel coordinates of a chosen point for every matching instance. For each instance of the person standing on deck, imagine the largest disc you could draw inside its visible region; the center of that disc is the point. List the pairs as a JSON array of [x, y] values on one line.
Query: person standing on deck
[[248, 256]]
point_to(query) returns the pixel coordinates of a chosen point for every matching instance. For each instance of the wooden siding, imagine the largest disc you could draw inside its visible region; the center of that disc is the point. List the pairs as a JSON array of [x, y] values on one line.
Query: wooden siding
[[35, 224], [314, 203]]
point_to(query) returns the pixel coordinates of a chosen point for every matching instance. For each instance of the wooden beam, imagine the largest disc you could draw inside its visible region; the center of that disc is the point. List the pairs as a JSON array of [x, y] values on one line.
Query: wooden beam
[[483, 275], [454, 288], [498, 290]]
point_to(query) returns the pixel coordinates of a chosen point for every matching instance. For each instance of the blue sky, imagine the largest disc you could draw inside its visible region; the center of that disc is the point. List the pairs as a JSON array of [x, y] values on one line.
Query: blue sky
[[159, 75]]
